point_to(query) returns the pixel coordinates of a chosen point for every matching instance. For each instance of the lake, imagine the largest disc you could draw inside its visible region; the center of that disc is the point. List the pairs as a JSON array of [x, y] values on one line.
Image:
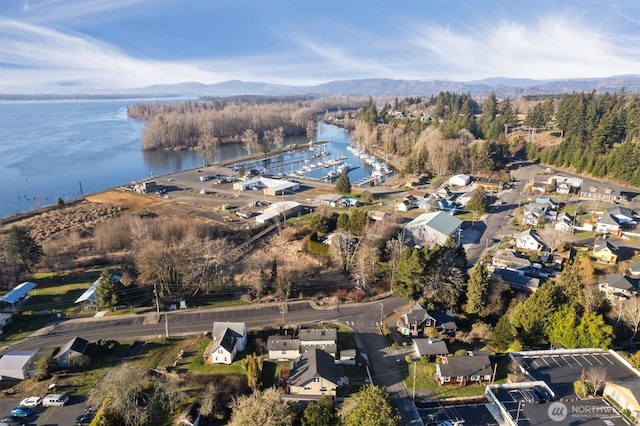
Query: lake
[[69, 148]]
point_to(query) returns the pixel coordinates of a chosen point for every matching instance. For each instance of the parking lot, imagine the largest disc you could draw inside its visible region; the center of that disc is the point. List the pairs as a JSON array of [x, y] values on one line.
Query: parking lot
[[49, 416], [472, 414], [586, 412]]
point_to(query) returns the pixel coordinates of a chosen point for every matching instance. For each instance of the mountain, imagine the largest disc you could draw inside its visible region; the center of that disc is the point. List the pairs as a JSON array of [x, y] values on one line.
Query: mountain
[[502, 86], [389, 87]]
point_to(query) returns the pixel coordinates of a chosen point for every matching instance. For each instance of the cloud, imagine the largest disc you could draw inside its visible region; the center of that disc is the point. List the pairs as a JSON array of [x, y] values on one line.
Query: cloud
[[56, 11], [553, 47]]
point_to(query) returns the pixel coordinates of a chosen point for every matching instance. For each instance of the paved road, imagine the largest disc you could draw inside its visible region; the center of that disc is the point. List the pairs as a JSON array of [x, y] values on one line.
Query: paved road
[[364, 319]]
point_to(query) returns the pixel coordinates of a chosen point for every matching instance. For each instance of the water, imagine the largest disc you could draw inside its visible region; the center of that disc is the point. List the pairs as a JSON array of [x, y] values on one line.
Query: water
[[51, 149]]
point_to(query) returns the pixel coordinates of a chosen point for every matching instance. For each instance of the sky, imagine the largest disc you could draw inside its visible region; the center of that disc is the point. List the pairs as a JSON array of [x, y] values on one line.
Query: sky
[[55, 46]]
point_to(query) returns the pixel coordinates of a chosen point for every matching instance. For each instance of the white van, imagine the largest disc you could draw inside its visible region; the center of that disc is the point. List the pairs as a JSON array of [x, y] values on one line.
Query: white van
[[55, 400]]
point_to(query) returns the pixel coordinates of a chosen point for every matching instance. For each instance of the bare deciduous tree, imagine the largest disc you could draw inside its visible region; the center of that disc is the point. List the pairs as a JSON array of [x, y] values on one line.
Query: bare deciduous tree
[[365, 264], [630, 314], [597, 376], [553, 237], [250, 141], [395, 247], [261, 408]]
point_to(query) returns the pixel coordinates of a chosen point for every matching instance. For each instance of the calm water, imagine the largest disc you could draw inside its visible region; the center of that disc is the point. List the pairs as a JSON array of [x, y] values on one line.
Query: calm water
[[51, 149]]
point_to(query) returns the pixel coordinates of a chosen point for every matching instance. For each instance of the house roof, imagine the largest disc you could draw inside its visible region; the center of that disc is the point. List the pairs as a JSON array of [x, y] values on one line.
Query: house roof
[[317, 334], [89, 294], [600, 245], [12, 296], [529, 233], [431, 347], [443, 319], [607, 219], [516, 279], [618, 281], [634, 268], [621, 211], [16, 359], [417, 314], [316, 363], [238, 328], [457, 366], [439, 221], [632, 384], [282, 343], [511, 257], [227, 340], [77, 344]]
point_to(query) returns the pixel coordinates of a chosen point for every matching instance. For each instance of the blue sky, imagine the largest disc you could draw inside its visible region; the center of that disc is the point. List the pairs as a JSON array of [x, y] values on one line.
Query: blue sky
[[70, 45]]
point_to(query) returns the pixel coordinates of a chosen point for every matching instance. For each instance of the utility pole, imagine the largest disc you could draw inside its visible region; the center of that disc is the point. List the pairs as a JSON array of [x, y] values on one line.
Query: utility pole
[[518, 414], [155, 292], [381, 318], [414, 381], [166, 324]]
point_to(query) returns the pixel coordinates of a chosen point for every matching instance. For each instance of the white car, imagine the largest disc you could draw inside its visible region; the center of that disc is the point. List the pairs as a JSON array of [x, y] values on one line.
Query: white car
[[32, 401]]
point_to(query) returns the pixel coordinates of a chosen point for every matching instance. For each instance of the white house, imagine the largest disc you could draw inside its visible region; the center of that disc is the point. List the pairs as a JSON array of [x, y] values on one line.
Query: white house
[[529, 240], [75, 347], [607, 224], [460, 180], [283, 348], [564, 223], [624, 216], [16, 365], [229, 338]]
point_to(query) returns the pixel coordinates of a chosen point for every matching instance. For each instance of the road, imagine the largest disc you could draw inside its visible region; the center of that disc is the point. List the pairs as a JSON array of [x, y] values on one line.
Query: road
[[363, 318]]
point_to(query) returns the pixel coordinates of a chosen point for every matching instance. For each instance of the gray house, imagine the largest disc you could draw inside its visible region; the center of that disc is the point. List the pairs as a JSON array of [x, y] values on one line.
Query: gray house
[[67, 356]]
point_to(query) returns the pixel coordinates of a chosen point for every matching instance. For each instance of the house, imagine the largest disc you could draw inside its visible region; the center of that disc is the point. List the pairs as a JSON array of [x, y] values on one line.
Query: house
[[87, 299], [508, 259], [608, 225], [529, 240], [617, 286], [566, 185], [315, 373], [564, 223], [536, 214], [318, 338], [434, 203], [624, 216], [407, 203], [16, 365], [516, 279], [604, 251], [463, 199], [414, 322], [283, 348], [229, 338], [563, 188], [345, 202], [604, 194], [430, 348], [5, 319], [68, 354], [464, 370], [626, 394], [548, 202], [433, 228], [460, 180]]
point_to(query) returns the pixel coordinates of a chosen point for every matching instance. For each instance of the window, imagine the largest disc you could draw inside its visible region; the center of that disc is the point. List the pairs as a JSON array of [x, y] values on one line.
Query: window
[[615, 395], [307, 388], [460, 378], [446, 379], [323, 389], [316, 380], [475, 378]]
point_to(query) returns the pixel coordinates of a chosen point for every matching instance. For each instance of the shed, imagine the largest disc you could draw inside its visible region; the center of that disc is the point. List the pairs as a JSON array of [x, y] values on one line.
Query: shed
[[17, 296], [459, 180], [74, 347], [16, 365]]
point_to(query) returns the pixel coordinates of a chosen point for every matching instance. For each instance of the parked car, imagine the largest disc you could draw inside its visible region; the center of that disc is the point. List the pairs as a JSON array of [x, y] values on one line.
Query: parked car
[[543, 394], [22, 411], [32, 401], [530, 396], [55, 400], [13, 420], [84, 419]]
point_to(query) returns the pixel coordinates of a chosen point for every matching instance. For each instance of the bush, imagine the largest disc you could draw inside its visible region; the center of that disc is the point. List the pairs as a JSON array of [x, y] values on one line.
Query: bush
[[318, 248]]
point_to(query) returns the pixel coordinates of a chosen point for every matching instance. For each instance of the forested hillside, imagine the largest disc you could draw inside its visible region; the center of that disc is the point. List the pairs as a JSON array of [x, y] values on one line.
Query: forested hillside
[[599, 134]]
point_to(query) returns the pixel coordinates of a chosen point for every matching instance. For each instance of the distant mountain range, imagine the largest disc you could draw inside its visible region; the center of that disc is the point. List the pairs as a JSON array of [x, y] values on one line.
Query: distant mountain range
[[502, 86]]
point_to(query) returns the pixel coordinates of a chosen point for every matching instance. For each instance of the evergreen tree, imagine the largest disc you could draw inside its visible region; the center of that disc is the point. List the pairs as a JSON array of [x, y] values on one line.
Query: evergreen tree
[[20, 247], [477, 288], [358, 219], [109, 291], [410, 273], [478, 201], [252, 364], [504, 333], [343, 184]]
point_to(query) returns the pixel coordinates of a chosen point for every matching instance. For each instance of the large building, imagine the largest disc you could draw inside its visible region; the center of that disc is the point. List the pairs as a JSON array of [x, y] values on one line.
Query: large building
[[433, 228], [283, 210], [268, 186]]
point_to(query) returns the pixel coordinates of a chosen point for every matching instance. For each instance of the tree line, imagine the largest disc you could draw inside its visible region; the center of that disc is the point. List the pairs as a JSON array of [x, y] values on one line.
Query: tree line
[[599, 134]]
